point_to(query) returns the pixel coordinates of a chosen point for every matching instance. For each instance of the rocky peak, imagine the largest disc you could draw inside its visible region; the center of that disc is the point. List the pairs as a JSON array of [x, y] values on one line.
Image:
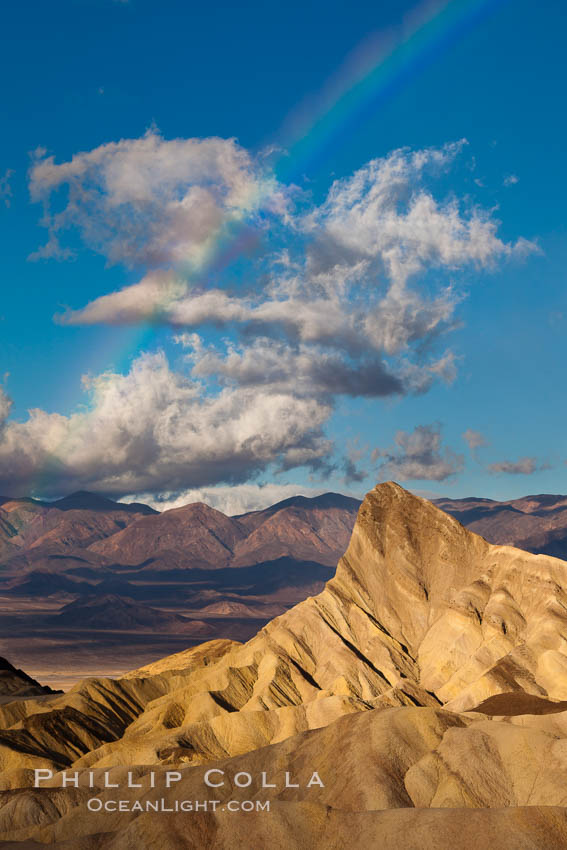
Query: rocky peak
[[405, 554]]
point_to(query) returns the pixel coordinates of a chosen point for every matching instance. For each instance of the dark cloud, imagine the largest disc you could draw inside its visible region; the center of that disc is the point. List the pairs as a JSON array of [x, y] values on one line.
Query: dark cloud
[[420, 456], [523, 466]]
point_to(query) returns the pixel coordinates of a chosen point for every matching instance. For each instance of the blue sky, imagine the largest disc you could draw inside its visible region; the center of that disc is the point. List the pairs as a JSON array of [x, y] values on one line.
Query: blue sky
[[311, 93]]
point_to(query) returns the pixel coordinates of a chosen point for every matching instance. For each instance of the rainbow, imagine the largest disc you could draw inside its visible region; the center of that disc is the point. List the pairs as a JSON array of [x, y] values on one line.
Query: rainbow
[[373, 71], [378, 66]]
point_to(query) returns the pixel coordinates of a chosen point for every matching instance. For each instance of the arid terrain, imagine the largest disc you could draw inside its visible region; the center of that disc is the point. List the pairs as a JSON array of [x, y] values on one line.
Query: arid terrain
[[535, 523], [89, 586], [425, 687]]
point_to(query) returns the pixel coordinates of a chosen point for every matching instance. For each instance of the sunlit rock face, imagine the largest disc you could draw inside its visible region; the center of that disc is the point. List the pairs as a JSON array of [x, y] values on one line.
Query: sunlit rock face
[[429, 674]]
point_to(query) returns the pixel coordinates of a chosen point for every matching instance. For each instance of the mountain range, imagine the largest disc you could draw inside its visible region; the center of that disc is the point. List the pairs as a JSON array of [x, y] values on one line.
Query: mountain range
[[535, 523], [197, 536], [102, 533], [426, 686], [188, 573], [182, 574]]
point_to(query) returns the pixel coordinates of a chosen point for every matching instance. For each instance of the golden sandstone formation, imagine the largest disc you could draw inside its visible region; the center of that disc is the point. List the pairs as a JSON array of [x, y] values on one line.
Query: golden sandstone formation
[[418, 701]]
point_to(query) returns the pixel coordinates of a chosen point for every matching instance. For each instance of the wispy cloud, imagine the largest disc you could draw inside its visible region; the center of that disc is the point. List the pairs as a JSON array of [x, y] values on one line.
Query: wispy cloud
[[474, 439], [353, 472], [523, 466], [419, 455]]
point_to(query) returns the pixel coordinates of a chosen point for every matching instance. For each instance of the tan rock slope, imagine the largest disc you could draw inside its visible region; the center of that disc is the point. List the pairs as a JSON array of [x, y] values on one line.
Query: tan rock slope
[[15, 684], [427, 678]]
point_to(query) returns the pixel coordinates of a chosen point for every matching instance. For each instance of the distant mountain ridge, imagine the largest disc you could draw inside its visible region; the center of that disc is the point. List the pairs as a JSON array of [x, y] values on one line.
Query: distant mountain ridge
[[57, 557], [305, 528], [535, 523], [74, 521], [195, 535], [83, 500], [325, 500]]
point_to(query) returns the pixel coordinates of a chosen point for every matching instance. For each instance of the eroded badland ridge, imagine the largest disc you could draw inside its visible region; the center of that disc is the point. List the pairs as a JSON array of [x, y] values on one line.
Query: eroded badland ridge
[[425, 685]]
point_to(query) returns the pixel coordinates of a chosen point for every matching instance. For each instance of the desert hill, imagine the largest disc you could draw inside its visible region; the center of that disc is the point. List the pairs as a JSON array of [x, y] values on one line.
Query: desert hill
[[305, 529], [195, 535], [80, 500], [535, 523], [434, 660], [199, 537], [15, 684], [106, 535], [86, 501], [123, 614]]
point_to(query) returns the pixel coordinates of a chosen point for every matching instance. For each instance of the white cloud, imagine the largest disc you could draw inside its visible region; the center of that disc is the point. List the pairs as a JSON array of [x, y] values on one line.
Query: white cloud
[[343, 267], [152, 201], [233, 500], [511, 180], [404, 317], [420, 455], [142, 301], [337, 313], [155, 429], [351, 297], [383, 213], [306, 371]]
